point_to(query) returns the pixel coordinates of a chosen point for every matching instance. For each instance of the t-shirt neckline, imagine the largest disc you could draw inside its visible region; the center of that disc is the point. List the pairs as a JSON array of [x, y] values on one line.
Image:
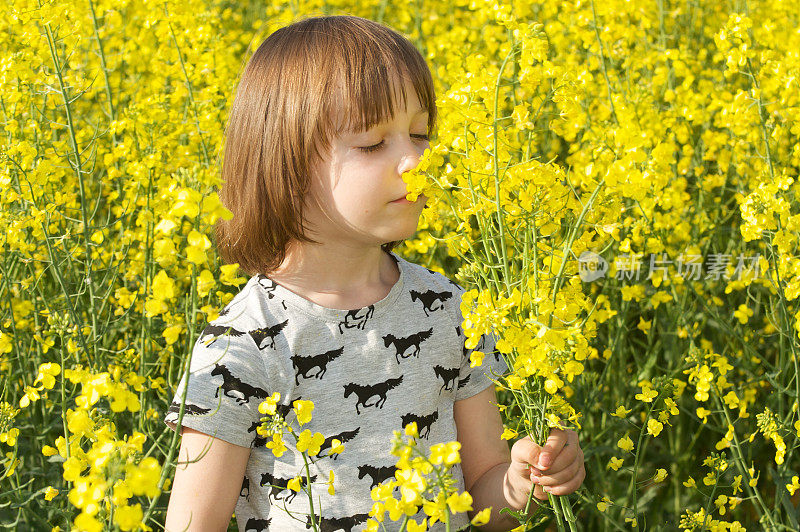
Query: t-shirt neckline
[[332, 314]]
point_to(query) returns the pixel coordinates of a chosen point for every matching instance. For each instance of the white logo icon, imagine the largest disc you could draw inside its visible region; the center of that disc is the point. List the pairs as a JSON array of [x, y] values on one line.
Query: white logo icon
[[591, 266]]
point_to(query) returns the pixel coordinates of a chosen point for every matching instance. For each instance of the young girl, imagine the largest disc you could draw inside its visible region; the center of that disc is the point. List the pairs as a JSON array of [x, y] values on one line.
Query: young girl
[[329, 113]]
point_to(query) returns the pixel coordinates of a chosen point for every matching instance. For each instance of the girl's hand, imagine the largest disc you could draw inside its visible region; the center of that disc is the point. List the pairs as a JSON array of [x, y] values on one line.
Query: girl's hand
[[556, 468]]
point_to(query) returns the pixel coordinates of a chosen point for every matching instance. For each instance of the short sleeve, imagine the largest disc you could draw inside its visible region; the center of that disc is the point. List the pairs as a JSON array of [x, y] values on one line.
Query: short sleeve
[[473, 380], [226, 383]]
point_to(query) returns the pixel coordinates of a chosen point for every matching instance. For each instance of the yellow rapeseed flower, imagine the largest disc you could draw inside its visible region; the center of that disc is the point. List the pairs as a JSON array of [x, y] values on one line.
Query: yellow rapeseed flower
[[294, 484], [625, 443], [303, 410], [621, 412], [482, 517], [413, 526], [269, 405], [460, 503], [277, 445], [331, 490], [794, 485], [309, 442], [336, 447], [654, 427], [615, 463]]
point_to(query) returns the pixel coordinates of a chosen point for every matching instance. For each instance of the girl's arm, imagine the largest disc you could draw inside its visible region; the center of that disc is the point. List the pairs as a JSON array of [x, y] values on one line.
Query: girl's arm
[[485, 459], [205, 491]]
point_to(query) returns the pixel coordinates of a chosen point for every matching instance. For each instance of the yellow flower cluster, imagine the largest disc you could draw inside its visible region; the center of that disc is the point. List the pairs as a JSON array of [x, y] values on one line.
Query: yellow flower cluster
[[306, 443], [107, 475], [768, 425], [415, 470]]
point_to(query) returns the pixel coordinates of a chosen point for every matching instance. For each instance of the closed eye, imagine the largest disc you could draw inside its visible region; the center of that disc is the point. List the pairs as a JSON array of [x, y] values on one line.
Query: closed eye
[[379, 145]]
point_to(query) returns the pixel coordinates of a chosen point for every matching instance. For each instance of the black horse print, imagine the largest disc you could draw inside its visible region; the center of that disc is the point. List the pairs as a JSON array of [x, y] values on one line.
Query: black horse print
[[303, 365], [263, 333], [328, 524], [402, 344], [366, 392], [377, 473], [280, 485], [423, 422], [234, 384], [463, 382], [358, 321], [216, 331], [245, 488], [464, 350], [267, 284], [343, 437], [258, 525], [283, 410], [188, 409], [448, 375], [429, 297]]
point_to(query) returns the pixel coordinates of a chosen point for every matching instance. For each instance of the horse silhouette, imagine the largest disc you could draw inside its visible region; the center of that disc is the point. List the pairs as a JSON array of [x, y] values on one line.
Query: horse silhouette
[[328, 524], [245, 487], [279, 485], [217, 331], [365, 392], [377, 473], [303, 364], [448, 375], [429, 297], [263, 333], [257, 524], [402, 344], [358, 321], [230, 383], [343, 437], [189, 409], [423, 422]]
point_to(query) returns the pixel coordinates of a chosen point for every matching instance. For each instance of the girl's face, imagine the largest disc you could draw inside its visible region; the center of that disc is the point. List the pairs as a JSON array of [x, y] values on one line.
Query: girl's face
[[360, 177]]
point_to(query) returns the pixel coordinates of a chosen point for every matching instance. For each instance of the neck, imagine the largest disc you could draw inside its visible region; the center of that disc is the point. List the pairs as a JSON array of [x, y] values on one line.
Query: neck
[[336, 271]]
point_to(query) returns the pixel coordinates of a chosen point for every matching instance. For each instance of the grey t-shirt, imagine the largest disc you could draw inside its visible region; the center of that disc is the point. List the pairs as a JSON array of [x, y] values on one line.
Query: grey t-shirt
[[368, 371]]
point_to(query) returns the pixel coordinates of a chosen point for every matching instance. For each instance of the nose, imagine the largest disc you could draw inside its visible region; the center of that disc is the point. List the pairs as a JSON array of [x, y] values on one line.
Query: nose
[[412, 150]]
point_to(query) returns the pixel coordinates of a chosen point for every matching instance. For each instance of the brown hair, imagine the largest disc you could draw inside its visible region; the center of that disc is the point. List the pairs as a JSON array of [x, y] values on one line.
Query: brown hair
[[281, 119]]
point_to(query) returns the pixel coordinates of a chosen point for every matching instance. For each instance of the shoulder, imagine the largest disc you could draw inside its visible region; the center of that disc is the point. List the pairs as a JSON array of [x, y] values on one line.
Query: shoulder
[[434, 289], [420, 277], [253, 307]]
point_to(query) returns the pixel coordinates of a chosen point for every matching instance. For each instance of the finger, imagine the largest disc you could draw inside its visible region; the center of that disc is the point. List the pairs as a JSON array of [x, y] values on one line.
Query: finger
[[555, 442], [569, 487], [525, 453], [539, 493], [566, 458], [563, 476]]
